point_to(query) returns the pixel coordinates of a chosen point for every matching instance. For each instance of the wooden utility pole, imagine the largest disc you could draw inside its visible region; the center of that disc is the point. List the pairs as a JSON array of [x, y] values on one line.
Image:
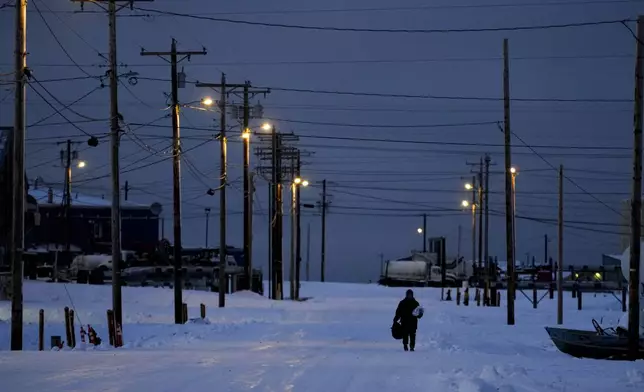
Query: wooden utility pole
[[636, 207], [298, 229], [176, 169], [115, 136], [560, 251], [486, 262], [17, 233], [480, 189], [68, 192], [292, 225], [509, 208], [207, 211], [424, 233], [323, 241], [223, 177], [473, 220]]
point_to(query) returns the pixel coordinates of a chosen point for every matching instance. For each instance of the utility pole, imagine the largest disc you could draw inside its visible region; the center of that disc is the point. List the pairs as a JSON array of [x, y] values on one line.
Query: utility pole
[[17, 232], [560, 251], [278, 267], [545, 249], [473, 219], [126, 190], [207, 211], [323, 251], [424, 233], [176, 169], [636, 208], [480, 188], [298, 229], [223, 174], [509, 208], [308, 251], [67, 198], [115, 136], [292, 258], [486, 295]]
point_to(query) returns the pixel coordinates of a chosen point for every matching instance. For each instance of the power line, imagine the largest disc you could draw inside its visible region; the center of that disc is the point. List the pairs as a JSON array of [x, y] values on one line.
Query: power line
[[568, 178], [336, 124], [402, 141], [53, 35], [446, 97], [390, 31]]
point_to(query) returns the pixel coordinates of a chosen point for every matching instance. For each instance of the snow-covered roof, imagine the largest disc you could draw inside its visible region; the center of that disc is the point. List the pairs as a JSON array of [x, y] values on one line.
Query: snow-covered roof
[[79, 200]]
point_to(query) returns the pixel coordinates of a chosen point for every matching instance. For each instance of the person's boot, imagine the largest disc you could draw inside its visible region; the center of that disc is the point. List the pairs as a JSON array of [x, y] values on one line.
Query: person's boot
[[405, 347], [411, 349]]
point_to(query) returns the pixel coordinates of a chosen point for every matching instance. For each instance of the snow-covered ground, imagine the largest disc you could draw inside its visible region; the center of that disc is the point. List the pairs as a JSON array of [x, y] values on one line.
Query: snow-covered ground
[[339, 340]]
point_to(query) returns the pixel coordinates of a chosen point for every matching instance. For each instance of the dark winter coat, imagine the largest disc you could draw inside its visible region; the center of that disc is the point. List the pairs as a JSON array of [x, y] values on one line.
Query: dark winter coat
[[404, 313]]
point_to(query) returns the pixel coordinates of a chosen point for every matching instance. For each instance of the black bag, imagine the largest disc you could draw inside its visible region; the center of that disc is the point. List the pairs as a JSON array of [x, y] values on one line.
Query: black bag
[[397, 331]]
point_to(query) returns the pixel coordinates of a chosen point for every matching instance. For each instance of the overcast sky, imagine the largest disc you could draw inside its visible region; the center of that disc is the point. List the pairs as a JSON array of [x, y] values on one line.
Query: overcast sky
[[379, 189]]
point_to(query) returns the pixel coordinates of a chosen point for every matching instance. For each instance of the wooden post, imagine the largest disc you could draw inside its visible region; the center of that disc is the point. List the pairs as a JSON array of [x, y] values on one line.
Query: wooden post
[[203, 311], [551, 290], [635, 259], [509, 205], [68, 333], [185, 312], [498, 298], [41, 330], [534, 295], [624, 296], [579, 299], [560, 263], [110, 326], [71, 328]]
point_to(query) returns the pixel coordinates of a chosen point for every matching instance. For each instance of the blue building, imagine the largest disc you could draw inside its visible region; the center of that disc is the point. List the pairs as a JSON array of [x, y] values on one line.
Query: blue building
[[90, 223]]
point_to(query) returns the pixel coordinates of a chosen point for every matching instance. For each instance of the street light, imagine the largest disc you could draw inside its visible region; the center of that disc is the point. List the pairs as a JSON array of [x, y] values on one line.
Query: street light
[[246, 134], [305, 183], [469, 186], [267, 127], [465, 203], [207, 101], [513, 170], [419, 230], [81, 164], [297, 181]]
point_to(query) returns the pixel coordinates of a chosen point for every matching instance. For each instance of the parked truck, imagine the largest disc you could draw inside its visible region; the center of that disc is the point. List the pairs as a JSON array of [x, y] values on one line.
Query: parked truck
[[423, 269]]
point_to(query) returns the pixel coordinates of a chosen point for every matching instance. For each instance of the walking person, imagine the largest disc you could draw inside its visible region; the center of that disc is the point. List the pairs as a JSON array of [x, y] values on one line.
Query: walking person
[[407, 313]]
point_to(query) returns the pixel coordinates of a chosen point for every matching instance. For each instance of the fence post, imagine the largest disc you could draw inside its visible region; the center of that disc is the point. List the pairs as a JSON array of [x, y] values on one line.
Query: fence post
[[41, 330], [71, 328], [203, 311], [535, 300], [624, 295], [579, 299], [68, 334], [185, 312], [110, 326]]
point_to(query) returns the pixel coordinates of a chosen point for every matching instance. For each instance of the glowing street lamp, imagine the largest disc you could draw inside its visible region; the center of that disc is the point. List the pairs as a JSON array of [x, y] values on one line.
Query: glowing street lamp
[[419, 230], [267, 127], [246, 134], [81, 164], [305, 183], [469, 186], [207, 101], [297, 180], [465, 203]]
